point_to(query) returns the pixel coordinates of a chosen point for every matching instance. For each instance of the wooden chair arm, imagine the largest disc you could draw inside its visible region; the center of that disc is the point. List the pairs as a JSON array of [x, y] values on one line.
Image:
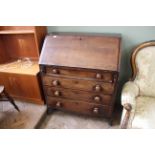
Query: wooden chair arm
[[128, 109]]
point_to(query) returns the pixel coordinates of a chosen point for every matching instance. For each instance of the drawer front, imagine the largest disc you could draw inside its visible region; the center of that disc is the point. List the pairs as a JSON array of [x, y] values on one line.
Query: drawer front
[[78, 95], [79, 107], [79, 84], [106, 76]]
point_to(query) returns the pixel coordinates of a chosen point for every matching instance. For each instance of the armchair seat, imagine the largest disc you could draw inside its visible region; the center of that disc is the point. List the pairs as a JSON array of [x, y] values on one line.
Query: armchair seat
[[144, 116]]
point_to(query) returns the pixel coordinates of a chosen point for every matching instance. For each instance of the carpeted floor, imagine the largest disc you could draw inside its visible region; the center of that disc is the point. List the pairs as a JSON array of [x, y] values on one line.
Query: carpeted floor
[[28, 117], [61, 120], [34, 116]]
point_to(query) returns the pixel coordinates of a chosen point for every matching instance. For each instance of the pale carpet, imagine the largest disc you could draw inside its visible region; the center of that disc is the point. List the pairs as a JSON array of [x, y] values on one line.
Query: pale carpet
[[28, 117], [63, 120]]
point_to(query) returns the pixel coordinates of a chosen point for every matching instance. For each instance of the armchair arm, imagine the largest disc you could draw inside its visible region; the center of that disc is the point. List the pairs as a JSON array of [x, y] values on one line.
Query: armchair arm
[[129, 93]]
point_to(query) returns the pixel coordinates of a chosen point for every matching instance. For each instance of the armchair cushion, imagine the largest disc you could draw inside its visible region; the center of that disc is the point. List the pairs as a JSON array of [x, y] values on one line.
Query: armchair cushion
[[144, 116], [145, 78]]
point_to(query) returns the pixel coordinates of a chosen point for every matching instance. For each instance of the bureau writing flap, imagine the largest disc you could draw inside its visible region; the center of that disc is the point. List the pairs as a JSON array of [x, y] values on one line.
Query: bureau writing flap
[[82, 51]]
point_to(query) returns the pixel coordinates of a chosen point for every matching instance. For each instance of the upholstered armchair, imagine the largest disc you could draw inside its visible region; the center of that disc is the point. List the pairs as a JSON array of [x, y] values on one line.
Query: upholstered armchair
[[138, 94]]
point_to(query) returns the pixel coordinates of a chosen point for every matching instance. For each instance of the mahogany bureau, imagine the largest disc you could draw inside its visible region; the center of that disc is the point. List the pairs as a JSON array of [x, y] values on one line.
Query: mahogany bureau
[[80, 73]]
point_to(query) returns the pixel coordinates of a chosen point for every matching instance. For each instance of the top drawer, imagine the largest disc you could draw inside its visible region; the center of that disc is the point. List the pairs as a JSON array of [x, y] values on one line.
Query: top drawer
[[105, 76]]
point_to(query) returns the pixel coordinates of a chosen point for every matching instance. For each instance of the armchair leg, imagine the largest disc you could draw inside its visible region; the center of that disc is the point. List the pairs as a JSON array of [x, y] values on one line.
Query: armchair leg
[[127, 115], [11, 100]]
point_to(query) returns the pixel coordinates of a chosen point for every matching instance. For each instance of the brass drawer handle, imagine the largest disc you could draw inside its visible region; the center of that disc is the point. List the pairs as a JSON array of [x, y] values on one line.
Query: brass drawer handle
[[55, 83], [98, 88], [55, 71], [58, 104], [57, 93], [97, 98], [96, 110], [98, 76]]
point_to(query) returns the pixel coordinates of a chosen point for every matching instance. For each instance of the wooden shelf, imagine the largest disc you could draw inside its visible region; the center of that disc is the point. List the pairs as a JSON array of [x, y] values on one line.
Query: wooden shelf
[[18, 67], [17, 32], [17, 73]]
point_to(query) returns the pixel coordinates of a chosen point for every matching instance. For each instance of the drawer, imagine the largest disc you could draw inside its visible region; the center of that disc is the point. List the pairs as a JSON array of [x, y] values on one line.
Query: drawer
[[79, 84], [106, 76], [79, 106], [78, 95]]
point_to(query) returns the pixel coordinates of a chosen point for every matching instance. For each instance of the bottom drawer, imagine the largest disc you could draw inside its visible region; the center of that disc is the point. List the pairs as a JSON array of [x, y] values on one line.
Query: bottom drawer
[[79, 107]]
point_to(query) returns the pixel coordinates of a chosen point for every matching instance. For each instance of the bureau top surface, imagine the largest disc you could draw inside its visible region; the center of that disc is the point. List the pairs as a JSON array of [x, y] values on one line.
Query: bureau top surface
[[82, 51]]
